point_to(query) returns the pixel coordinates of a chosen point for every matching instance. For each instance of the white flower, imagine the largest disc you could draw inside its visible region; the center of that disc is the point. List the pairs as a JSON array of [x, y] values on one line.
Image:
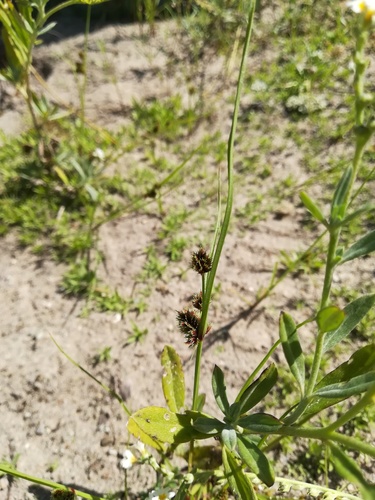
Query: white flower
[[128, 460], [161, 494], [365, 6], [141, 448], [99, 154]]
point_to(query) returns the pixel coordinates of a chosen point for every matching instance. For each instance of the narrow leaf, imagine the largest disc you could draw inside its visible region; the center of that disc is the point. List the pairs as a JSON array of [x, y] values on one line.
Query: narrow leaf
[[237, 479], [257, 390], [354, 313], [229, 438], [330, 318], [208, 425], [219, 389], [256, 460], [337, 208], [367, 208], [260, 423], [46, 28], [312, 207], [343, 390], [110, 391], [292, 349], [173, 381], [361, 362], [349, 470], [201, 400], [363, 246]]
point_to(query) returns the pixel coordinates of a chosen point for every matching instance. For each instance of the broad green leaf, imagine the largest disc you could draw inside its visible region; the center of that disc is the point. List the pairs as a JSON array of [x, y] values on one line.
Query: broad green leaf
[[361, 362], [256, 391], [352, 387], [337, 208], [292, 349], [260, 423], [256, 460], [363, 246], [229, 438], [330, 318], [208, 425], [312, 207], [237, 479], [354, 313], [154, 426], [219, 390], [349, 470], [173, 379]]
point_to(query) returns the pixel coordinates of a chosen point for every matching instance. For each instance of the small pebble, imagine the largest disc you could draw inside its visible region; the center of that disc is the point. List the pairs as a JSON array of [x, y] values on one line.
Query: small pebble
[[40, 430], [106, 441]]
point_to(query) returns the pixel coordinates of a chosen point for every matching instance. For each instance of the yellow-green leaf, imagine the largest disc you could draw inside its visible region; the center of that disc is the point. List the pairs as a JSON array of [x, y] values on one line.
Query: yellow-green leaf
[[173, 379], [330, 318], [155, 426]]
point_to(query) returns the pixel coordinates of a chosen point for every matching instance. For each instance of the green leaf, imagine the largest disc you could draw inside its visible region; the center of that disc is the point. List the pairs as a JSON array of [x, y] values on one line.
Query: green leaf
[[173, 379], [260, 423], [292, 349], [219, 390], [338, 208], [208, 425], [329, 318], [229, 438], [367, 208], [201, 400], [352, 387], [349, 470], [237, 479], [363, 246], [256, 391], [312, 208], [354, 313], [182, 491], [256, 460], [46, 28], [361, 362], [154, 426]]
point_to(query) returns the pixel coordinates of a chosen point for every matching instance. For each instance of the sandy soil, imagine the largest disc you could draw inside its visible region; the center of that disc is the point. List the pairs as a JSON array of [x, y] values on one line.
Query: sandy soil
[[57, 421]]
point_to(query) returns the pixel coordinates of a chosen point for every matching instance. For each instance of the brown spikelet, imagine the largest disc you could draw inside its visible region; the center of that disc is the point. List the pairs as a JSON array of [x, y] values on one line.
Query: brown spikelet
[[188, 323], [201, 261], [197, 301]]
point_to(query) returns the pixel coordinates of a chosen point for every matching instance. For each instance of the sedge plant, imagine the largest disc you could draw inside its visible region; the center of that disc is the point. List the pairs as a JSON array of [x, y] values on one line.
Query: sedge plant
[[239, 462]]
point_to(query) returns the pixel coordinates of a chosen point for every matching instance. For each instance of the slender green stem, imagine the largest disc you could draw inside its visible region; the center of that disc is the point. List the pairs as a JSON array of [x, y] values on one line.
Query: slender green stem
[[230, 159], [323, 434], [363, 135], [197, 374], [300, 485], [45, 482], [59, 7]]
